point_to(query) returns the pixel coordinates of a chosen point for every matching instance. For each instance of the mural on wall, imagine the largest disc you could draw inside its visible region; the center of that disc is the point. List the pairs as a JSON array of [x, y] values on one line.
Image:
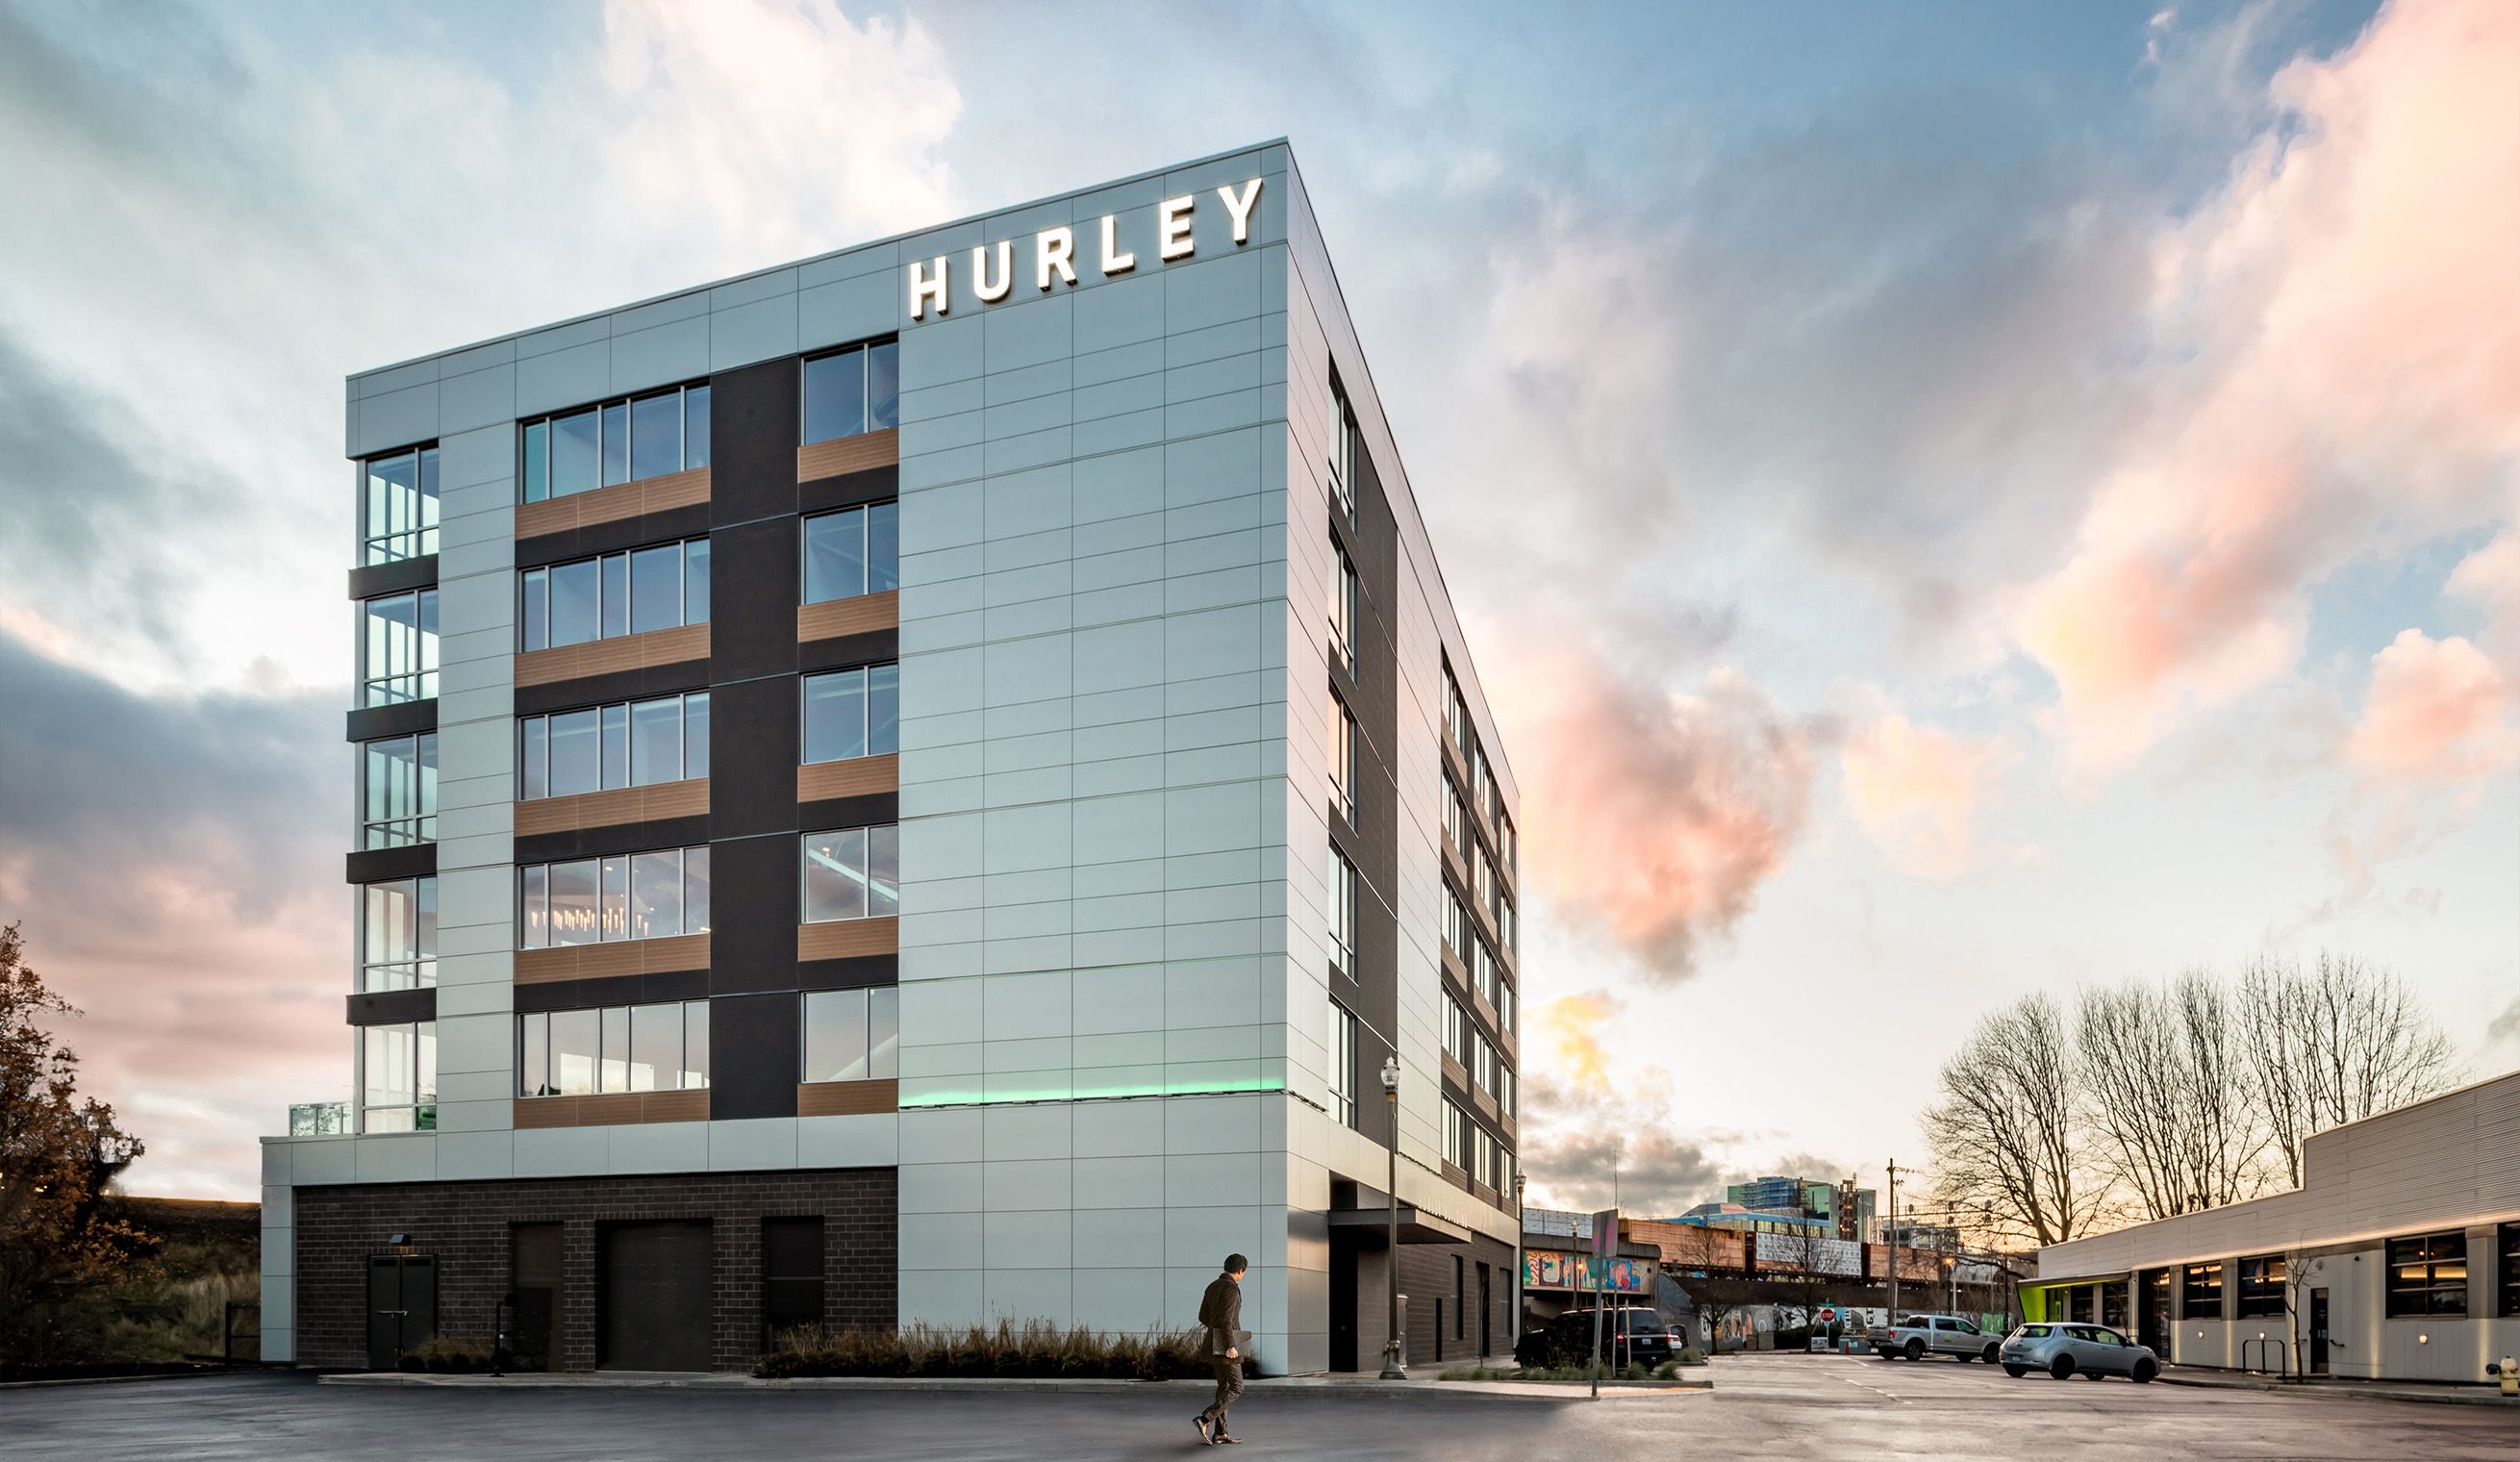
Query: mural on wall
[[1557, 1269]]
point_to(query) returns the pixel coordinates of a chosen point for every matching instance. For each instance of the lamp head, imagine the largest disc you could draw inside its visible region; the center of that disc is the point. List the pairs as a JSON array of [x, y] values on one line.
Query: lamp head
[[1391, 1073]]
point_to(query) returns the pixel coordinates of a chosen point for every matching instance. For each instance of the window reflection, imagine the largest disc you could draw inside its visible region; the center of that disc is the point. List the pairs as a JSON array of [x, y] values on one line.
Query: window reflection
[[615, 442], [399, 507], [398, 935], [646, 896], [852, 392], [398, 648], [852, 872], [853, 552], [399, 791], [643, 743], [398, 1077], [622, 593], [618, 1048], [852, 1035], [852, 713]]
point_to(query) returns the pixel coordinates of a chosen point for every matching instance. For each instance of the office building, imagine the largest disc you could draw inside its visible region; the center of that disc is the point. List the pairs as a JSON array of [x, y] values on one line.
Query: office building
[[922, 785]]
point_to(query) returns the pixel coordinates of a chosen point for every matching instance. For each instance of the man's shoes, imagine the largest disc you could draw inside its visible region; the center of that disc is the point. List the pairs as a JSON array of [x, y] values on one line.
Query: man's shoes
[[1206, 1437], [1223, 1440]]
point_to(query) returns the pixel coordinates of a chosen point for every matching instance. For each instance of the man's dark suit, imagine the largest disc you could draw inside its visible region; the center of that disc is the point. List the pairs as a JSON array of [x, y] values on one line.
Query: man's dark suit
[[1220, 1317]]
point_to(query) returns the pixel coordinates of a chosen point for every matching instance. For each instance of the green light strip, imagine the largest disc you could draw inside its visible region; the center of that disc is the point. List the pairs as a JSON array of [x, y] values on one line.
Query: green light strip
[[1089, 1094]]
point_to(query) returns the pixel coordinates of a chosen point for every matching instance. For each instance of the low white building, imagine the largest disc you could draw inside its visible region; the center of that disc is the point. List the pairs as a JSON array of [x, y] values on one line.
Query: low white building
[[2398, 1258]]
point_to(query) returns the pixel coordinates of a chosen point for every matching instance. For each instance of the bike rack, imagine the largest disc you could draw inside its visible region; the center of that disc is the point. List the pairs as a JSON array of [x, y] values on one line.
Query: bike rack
[[2262, 1342]]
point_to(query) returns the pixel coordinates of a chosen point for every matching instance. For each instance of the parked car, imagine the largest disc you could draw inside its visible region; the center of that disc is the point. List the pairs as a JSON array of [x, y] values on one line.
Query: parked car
[[1630, 1333], [2062, 1349], [1917, 1337]]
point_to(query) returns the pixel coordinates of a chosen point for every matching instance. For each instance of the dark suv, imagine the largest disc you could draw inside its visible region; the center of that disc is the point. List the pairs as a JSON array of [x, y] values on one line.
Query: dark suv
[[1630, 1333]]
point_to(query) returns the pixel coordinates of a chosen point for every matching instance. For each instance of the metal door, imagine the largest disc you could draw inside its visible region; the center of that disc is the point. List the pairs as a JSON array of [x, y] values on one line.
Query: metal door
[[1487, 1310], [657, 1306], [402, 1305], [2318, 1332], [534, 1280], [2154, 1316]]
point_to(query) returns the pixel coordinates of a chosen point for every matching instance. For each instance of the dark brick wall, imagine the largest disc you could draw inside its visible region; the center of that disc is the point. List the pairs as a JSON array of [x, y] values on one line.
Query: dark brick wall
[[466, 1226]]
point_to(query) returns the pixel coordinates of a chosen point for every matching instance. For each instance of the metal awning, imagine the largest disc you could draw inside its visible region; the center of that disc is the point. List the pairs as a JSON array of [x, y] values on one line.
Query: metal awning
[[2107, 1276], [1415, 1227]]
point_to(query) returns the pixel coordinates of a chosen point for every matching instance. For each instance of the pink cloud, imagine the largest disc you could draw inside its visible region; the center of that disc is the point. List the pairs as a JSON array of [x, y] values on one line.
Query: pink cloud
[[1918, 790], [1650, 813], [2336, 340], [2437, 711]]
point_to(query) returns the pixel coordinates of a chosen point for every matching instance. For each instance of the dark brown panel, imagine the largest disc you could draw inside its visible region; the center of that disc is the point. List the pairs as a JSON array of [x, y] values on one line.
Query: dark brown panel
[[620, 805], [393, 1006], [614, 535], [849, 491], [753, 446], [753, 634], [839, 458], [753, 1056], [630, 652], [616, 957], [380, 864], [854, 777], [596, 991], [640, 499], [611, 689], [393, 720], [618, 837], [859, 613], [848, 1098], [848, 938], [617, 1107], [394, 579]]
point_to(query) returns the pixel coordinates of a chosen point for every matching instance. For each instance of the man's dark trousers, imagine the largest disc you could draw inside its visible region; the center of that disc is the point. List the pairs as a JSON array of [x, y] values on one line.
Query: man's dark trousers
[[1229, 1388]]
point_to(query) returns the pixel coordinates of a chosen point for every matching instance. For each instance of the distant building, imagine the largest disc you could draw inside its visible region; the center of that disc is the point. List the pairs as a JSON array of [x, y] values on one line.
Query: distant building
[[1741, 1219], [1914, 1233], [1848, 1208]]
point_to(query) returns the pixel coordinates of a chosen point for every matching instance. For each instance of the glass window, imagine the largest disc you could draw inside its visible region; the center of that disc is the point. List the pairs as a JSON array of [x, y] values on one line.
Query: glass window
[[852, 872], [656, 435], [1342, 911], [2201, 1291], [645, 896], [398, 1077], [618, 1048], [1342, 641], [1343, 762], [1506, 842], [1457, 1032], [1455, 1136], [575, 1041], [852, 713], [399, 791], [1343, 454], [2262, 1285], [853, 552], [573, 454], [399, 507], [2428, 1274], [852, 1035], [537, 471], [398, 935], [696, 427], [616, 443], [656, 742], [398, 648], [620, 593], [852, 391], [1342, 1064]]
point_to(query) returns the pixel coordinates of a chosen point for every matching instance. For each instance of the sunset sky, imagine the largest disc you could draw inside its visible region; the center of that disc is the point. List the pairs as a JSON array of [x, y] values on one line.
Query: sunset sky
[[1952, 501]]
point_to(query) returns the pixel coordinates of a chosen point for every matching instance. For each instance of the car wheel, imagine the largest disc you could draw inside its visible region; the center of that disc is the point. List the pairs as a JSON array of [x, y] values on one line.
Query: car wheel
[[1987, 1356], [2144, 1370], [1915, 1349], [2062, 1367], [2016, 1372]]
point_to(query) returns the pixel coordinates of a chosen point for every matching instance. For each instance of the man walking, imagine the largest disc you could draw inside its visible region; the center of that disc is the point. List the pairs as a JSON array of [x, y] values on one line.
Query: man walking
[[1220, 1320]]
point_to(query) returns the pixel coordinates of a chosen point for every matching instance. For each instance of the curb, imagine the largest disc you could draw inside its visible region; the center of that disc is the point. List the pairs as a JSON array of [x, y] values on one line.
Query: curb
[[2358, 1392], [1500, 1390], [122, 1380]]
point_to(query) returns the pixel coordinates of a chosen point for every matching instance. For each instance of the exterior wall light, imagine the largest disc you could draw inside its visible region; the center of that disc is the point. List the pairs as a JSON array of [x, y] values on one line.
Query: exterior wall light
[[2423, 1339]]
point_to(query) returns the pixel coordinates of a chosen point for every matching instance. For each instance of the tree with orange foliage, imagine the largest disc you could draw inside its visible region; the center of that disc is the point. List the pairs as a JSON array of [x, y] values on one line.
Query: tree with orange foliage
[[58, 1156]]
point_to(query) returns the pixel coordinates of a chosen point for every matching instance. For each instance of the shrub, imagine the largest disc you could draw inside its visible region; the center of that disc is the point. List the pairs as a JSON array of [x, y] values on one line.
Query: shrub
[[1035, 1349], [448, 1354]]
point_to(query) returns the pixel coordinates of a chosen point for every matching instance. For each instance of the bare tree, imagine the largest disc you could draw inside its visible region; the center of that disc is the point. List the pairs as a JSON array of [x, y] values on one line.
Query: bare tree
[[2003, 1132], [2335, 1044], [2160, 1082]]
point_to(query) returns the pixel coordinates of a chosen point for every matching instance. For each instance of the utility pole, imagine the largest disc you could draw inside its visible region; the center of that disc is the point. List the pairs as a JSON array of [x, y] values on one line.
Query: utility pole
[[1894, 1241]]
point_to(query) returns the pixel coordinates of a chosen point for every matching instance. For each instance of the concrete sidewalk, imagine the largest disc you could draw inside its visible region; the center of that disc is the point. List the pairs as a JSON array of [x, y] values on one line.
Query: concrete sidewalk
[[2439, 1394], [1359, 1388]]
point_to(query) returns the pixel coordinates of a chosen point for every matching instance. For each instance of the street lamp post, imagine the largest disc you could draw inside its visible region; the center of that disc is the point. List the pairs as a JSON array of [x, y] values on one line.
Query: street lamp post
[[1515, 1331], [1392, 1370]]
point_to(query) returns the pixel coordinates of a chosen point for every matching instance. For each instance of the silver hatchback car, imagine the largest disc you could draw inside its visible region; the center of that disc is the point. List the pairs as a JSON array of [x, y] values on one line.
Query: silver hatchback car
[[2062, 1349]]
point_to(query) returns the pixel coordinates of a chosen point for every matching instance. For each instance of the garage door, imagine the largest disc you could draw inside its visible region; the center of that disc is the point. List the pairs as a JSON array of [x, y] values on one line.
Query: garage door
[[656, 1297]]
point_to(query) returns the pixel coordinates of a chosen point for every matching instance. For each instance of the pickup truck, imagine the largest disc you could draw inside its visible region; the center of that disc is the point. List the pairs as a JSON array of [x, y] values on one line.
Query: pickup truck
[[1916, 1337]]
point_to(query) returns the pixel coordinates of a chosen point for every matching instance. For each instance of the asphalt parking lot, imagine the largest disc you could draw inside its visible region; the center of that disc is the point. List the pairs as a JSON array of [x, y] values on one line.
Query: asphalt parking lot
[[1764, 1407]]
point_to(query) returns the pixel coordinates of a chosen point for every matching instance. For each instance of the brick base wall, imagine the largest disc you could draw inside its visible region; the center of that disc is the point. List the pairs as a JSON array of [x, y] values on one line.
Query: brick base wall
[[465, 1227]]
